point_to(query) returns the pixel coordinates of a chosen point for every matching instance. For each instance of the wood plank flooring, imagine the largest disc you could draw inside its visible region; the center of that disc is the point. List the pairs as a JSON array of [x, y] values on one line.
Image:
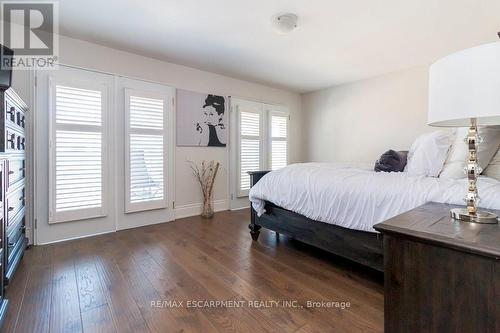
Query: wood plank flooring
[[122, 282]]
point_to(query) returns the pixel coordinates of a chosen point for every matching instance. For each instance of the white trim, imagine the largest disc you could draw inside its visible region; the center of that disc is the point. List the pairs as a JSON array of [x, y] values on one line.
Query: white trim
[[30, 161], [196, 209], [79, 237], [239, 208]]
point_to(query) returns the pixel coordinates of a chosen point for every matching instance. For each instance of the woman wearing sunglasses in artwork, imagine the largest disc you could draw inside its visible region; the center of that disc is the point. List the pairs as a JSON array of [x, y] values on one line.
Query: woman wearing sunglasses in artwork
[[213, 111]]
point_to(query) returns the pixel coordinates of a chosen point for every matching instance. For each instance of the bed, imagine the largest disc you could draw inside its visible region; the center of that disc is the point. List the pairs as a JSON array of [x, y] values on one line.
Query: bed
[[335, 206]]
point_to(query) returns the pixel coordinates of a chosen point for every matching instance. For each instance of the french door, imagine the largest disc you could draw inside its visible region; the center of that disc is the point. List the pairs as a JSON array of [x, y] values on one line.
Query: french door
[[146, 188], [103, 153]]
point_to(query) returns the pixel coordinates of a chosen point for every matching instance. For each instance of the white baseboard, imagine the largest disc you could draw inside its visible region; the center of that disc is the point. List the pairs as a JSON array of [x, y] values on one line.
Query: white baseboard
[[75, 238], [239, 208], [196, 209]]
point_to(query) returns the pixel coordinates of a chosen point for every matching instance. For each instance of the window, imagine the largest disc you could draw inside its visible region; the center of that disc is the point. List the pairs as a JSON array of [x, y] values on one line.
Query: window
[[145, 142], [77, 159], [262, 140], [250, 147], [279, 146]]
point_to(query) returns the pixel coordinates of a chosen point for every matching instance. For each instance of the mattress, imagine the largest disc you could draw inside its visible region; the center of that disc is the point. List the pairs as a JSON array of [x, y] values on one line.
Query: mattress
[[357, 198]]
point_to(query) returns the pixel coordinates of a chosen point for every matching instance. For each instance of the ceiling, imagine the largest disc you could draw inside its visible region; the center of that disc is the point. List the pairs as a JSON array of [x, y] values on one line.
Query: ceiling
[[337, 41]]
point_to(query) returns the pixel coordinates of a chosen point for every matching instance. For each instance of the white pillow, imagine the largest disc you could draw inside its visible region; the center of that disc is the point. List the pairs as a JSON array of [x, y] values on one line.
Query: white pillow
[[493, 169], [459, 152], [428, 153]]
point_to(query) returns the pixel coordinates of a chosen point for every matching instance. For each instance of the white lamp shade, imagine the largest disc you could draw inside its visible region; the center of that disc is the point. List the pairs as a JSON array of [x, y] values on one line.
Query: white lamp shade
[[466, 85]]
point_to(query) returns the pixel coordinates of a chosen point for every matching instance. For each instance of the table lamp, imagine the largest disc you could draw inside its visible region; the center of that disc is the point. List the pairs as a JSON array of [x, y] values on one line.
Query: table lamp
[[464, 91]]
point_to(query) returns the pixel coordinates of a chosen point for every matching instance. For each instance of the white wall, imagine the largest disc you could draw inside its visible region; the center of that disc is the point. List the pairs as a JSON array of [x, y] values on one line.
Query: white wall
[[187, 194], [357, 122]]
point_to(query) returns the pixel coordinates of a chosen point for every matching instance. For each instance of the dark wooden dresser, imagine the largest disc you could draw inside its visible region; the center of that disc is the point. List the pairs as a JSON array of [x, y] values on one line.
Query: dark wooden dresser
[[441, 275], [12, 189]]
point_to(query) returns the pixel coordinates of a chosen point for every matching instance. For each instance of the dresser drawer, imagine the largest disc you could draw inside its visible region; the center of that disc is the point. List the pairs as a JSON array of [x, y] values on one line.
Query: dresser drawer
[[16, 170], [15, 115], [15, 204], [16, 235], [14, 141]]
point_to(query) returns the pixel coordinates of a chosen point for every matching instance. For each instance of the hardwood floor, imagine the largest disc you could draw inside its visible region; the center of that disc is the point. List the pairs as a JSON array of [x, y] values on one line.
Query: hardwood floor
[[108, 283]]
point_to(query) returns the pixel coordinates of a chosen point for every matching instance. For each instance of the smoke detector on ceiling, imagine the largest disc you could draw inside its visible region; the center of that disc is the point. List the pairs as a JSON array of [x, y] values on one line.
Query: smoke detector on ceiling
[[284, 23]]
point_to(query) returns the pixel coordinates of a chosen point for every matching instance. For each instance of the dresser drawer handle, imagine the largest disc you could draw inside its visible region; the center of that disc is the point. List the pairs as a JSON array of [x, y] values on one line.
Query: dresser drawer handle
[[11, 209], [11, 140], [20, 119], [20, 143], [12, 111], [11, 172], [11, 244], [22, 198]]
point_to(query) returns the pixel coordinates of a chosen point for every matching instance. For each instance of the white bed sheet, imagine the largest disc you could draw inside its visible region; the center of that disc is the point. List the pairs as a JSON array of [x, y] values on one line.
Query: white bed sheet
[[358, 198]]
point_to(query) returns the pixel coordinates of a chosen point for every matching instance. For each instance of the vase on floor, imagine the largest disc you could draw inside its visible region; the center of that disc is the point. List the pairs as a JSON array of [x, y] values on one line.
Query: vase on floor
[[205, 175], [208, 210]]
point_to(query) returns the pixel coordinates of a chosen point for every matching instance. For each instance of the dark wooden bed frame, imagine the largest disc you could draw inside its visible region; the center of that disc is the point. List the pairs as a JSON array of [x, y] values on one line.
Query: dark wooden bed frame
[[360, 246]]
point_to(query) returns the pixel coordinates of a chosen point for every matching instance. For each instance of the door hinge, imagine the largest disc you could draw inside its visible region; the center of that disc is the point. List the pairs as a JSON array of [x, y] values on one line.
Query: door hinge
[[36, 80], [36, 224], [232, 196], [173, 204]]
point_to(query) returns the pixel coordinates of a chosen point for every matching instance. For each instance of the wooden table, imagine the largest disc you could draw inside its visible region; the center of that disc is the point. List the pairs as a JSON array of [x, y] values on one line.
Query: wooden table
[[441, 275]]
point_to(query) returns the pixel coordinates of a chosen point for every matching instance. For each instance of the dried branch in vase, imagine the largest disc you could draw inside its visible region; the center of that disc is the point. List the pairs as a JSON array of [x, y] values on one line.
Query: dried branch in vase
[[205, 175]]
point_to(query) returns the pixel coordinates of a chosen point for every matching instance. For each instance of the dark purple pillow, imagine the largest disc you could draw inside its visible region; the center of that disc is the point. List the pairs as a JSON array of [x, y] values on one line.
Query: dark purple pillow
[[391, 161]]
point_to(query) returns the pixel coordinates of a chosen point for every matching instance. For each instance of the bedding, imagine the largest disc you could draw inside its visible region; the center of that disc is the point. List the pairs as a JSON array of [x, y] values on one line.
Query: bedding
[[493, 169], [459, 151], [428, 154], [357, 197]]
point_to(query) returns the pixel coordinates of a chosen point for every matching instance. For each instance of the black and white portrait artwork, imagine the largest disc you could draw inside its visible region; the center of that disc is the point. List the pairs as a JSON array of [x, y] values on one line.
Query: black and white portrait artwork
[[201, 119]]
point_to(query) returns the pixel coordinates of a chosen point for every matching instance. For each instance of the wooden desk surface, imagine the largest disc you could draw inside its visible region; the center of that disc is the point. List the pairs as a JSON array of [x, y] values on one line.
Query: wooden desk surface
[[432, 223]]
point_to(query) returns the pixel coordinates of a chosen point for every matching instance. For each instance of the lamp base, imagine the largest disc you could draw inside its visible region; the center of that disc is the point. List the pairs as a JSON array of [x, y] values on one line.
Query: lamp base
[[462, 214]]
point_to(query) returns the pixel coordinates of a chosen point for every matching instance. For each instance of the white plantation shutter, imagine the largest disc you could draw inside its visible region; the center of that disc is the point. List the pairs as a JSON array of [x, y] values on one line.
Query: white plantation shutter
[[250, 137], [279, 145], [76, 149], [250, 148], [146, 145], [78, 170]]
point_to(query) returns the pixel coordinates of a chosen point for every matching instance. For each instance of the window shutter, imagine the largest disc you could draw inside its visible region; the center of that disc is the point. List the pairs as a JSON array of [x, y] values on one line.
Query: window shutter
[[77, 184], [146, 134], [279, 149], [78, 106], [250, 147], [78, 170]]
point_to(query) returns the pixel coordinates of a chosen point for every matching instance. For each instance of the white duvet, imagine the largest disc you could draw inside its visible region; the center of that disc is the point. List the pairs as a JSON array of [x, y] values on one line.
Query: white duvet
[[357, 198]]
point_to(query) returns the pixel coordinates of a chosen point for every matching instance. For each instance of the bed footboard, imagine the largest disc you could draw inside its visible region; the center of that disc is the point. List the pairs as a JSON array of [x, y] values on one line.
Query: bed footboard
[[359, 246]]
